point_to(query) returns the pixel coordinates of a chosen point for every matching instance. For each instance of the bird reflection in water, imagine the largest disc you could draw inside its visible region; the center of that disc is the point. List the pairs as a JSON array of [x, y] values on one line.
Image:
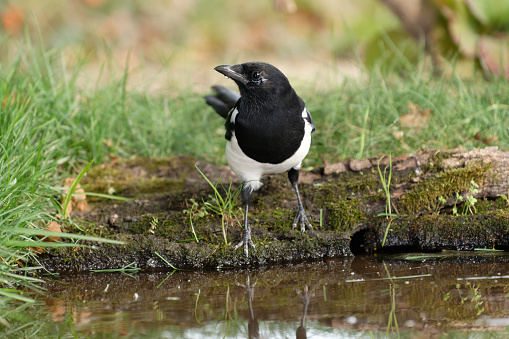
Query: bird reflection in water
[[253, 324]]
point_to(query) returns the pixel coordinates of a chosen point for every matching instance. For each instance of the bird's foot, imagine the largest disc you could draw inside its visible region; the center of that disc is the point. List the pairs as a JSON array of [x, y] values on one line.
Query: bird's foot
[[301, 219], [249, 288], [246, 241]]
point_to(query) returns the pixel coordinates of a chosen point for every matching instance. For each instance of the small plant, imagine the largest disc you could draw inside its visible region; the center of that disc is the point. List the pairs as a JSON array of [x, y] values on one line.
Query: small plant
[[167, 262], [386, 183], [458, 198], [470, 198], [442, 201], [474, 295], [392, 323], [470, 204], [129, 268], [200, 213], [153, 225], [469, 201], [72, 189], [223, 207], [447, 296]]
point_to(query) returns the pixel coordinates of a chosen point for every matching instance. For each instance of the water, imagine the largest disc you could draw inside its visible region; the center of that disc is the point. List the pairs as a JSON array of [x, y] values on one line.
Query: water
[[448, 294]]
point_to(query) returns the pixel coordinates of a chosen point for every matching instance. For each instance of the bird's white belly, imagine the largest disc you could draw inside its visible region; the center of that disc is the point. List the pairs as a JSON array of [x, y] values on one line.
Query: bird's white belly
[[250, 171]]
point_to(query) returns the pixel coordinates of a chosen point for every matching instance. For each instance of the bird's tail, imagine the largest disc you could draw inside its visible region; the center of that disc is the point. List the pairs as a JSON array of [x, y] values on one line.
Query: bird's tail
[[223, 101]]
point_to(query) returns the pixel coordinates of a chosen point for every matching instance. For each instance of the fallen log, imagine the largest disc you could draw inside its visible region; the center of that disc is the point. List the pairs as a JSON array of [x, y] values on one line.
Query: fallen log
[[452, 199]]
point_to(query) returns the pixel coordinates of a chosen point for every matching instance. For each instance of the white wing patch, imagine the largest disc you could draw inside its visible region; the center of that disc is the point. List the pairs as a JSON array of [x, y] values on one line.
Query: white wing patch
[[234, 115]]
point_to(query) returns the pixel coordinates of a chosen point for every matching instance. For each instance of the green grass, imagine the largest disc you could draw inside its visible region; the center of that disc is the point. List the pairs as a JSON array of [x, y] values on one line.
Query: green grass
[[90, 122], [460, 109], [129, 268], [224, 207], [27, 173], [386, 184]]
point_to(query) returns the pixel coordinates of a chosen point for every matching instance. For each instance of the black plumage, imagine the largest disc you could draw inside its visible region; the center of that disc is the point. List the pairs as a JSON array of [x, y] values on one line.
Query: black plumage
[[223, 101], [268, 130]]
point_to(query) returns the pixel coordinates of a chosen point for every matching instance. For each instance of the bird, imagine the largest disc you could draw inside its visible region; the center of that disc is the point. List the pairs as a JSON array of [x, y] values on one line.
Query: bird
[[268, 131]]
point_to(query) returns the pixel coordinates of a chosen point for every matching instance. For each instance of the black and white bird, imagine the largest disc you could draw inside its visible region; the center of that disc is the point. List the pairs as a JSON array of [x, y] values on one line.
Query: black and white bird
[[268, 131]]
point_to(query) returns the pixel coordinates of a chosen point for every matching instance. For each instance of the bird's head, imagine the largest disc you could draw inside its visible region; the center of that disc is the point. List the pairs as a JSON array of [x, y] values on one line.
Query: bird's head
[[255, 78]]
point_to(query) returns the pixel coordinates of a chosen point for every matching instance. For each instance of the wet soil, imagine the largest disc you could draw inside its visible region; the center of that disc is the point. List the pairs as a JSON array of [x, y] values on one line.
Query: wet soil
[[175, 218]]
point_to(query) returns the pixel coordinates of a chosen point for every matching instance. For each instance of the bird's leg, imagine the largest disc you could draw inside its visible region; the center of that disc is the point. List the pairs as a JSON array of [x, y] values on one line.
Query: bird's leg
[[304, 299], [293, 175], [246, 233]]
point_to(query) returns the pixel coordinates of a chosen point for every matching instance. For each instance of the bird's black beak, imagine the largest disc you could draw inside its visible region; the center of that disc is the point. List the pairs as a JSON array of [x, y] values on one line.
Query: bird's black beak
[[232, 72]]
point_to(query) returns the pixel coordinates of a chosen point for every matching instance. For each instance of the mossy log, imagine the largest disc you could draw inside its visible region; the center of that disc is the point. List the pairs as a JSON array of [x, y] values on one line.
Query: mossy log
[[452, 199], [452, 171]]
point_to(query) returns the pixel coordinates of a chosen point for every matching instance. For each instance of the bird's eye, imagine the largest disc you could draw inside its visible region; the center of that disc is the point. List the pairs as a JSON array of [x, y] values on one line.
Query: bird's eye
[[256, 75]]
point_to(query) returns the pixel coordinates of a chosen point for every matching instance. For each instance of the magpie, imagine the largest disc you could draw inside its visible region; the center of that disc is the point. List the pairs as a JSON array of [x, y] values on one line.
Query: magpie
[[268, 131]]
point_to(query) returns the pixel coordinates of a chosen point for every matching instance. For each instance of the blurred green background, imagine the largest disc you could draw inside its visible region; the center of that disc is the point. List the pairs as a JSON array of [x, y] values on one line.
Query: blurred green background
[[171, 44], [174, 44]]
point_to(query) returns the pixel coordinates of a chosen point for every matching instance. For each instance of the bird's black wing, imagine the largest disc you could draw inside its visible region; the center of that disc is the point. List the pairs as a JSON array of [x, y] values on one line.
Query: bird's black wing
[[223, 101], [309, 118]]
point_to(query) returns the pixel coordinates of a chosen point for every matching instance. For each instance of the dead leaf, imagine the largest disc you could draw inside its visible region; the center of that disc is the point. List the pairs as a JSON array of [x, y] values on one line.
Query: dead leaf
[[415, 117], [114, 160], [108, 142], [53, 227], [399, 135], [13, 19], [486, 139], [79, 199]]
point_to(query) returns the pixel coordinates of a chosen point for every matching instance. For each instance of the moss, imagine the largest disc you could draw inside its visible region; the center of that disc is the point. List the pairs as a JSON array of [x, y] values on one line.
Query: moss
[[159, 219], [154, 165], [139, 176], [436, 162], [172, 226], [342, 209], [141, 250], [437, 232], [131, 186], [483, 206], [501, 203], [276, 219], [275, 200], [344, 214], [424, 195], [154, 185], [363, 182]]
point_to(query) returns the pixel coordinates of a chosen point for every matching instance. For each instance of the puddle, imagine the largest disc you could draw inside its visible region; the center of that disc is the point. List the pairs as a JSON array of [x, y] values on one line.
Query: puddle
[[418, 295]]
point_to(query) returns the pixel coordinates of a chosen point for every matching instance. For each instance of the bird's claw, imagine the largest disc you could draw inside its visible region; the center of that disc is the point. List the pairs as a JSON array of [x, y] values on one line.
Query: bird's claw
[[301, 219], [246, 241]]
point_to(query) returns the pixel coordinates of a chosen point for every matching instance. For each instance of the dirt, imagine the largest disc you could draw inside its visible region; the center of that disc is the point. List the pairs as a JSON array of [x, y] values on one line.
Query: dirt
[[169, 197]]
